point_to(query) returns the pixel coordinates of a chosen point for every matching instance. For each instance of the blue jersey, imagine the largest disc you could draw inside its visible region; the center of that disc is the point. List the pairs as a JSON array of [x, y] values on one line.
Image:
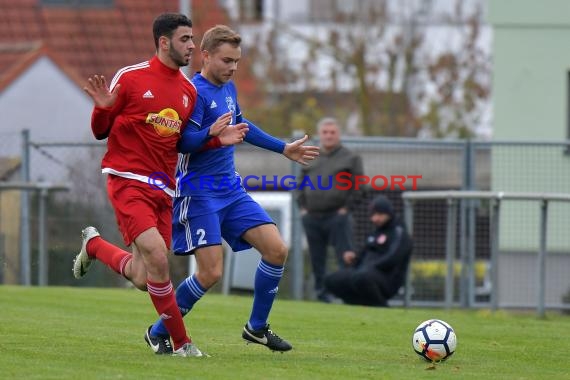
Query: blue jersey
[[210, 173], [210, 202]]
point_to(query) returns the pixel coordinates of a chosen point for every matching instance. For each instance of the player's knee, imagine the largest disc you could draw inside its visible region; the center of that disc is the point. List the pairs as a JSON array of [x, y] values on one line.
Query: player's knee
[[282, 253], [209, 277], [159, 261], [156, 268], [277, 255]]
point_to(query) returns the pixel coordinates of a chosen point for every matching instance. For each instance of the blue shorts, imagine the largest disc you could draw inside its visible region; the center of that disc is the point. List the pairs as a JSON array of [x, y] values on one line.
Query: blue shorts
[[228, 221]]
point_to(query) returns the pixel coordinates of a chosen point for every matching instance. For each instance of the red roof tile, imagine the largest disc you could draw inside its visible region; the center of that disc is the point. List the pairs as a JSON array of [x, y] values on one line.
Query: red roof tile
[[85, 41], [15, 58]]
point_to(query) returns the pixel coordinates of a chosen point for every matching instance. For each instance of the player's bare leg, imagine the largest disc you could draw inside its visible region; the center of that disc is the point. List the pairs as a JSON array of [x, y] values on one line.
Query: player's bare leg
[[210, 263], [135, 270]]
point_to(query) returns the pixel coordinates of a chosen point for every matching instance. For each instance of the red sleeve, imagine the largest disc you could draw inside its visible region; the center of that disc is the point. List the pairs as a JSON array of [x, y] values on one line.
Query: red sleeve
[[213, 143], [101, 122]]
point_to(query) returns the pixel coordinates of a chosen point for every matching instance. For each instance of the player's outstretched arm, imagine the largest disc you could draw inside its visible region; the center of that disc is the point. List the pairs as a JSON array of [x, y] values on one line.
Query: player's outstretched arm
[[104, 99], [98, 90], [296, 151], [256, 136]]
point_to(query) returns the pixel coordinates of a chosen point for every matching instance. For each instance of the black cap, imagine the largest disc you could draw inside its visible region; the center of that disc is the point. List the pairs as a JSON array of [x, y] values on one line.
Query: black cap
[[381, 204]]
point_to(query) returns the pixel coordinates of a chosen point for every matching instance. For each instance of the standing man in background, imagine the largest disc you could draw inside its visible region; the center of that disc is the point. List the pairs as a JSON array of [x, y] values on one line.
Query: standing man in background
[[326, 210]]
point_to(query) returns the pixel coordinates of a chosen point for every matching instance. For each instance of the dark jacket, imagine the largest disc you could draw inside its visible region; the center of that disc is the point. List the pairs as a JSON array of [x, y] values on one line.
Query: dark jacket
[[387, 251], [323, 196]]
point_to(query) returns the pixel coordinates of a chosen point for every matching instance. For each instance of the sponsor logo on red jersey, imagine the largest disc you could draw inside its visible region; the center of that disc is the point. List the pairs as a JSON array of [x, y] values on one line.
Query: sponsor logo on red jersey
[[165, 123]]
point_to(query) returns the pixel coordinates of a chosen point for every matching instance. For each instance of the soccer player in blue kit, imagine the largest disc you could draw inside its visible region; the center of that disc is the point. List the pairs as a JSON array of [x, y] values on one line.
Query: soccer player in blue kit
[[210, 203]]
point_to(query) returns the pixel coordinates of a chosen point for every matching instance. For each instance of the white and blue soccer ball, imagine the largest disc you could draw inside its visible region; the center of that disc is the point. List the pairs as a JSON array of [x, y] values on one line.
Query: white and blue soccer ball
[[434, 340]]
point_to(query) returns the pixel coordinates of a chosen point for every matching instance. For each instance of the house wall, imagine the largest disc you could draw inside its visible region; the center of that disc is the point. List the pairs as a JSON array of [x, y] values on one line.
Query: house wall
[[45, 101], [531, 66]]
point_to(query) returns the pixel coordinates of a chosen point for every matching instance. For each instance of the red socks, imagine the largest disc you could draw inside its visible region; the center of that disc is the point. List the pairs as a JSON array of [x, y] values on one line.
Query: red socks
[[162, 296], [109, 254]]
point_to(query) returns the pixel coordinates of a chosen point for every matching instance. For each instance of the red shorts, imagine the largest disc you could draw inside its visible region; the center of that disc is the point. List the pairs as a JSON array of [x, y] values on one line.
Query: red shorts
[[139, 207]]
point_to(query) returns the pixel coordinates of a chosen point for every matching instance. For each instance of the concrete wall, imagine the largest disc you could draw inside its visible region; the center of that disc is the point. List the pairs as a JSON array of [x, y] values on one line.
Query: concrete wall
[[518, 278]]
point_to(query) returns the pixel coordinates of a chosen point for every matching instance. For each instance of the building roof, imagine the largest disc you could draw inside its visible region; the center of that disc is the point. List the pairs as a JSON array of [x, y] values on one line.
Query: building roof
[[84, 40]]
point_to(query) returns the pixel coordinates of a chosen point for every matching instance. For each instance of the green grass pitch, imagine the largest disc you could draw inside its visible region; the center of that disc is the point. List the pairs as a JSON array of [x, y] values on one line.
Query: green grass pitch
[[82, 333]]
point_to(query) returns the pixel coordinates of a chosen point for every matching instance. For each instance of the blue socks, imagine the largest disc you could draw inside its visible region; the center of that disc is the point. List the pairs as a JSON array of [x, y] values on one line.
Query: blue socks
[[187, 294], [266, 284]]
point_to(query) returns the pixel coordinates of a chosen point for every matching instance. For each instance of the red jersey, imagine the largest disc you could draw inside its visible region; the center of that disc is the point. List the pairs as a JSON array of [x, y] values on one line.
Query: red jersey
[[145, 123]]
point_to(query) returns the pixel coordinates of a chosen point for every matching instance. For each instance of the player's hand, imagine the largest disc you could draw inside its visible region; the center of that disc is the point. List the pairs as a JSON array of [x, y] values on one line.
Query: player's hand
[[98, 90], [220, 124], [233, 134], [349, 257], [300, 153]]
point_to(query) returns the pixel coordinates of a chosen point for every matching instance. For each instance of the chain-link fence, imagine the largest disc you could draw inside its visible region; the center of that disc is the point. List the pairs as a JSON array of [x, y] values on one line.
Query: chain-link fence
[[468, 165], [442, 165]]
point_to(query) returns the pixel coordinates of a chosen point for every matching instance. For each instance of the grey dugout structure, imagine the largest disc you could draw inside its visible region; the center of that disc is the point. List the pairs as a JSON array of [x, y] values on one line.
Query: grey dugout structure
[[495, 199]]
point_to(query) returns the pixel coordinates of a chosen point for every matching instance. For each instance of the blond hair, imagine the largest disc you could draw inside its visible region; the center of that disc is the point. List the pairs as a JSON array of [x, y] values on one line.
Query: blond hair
[[218, 35]]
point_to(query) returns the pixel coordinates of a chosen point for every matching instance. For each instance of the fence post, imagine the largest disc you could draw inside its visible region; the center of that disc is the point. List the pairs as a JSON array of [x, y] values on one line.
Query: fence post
[[494, 236], [542, 258], [450, 250], [25, 262], [468, 228], [470, 256], [409, 220], [43, 267], [297, 267]]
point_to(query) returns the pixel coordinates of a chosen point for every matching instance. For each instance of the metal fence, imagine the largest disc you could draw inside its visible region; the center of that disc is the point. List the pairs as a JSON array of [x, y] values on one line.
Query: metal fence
[[495, 200], [507, 166]]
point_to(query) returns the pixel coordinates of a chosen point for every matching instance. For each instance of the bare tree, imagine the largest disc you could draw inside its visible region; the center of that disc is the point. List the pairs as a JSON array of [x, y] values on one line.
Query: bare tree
[[376, 60], [462, 82]]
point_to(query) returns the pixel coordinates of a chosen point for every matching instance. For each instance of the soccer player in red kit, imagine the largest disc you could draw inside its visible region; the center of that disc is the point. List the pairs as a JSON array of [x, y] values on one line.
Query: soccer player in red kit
[[142, 114]]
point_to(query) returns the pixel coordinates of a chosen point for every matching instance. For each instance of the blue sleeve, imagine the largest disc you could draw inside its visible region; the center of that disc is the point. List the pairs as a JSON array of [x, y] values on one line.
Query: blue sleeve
[[256, 136], [193, 137], [191, 140]]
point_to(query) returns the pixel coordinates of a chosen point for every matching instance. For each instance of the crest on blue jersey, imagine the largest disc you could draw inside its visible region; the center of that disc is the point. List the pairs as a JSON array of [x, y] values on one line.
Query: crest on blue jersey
[[231, 105]]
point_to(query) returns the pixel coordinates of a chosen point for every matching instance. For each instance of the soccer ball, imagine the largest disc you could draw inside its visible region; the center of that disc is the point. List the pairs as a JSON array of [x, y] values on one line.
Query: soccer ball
[[434, 340]]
